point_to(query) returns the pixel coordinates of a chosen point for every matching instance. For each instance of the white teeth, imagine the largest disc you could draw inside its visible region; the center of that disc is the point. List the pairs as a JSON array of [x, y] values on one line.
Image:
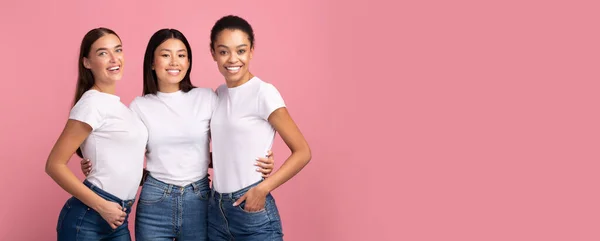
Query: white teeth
[[233, 68], [114, 68], [173, 71]]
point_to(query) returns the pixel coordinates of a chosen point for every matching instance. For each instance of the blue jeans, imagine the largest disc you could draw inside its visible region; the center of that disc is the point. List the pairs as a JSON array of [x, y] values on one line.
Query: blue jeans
[[167, 212], [77, 221], [226, 222]]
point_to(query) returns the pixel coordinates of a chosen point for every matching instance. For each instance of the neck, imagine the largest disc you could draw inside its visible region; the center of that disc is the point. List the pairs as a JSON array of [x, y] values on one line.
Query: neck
[[243, 80], [168, 88], [105, 88]]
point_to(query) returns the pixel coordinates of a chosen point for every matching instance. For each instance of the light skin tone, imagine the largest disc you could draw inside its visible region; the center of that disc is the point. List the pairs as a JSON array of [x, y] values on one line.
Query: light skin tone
[[232, 52], [106, 62], [171, 64]]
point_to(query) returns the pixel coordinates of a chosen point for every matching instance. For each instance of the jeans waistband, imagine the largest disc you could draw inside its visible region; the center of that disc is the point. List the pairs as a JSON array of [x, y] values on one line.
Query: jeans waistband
[[104, 194], [234, 195], [196, 186]]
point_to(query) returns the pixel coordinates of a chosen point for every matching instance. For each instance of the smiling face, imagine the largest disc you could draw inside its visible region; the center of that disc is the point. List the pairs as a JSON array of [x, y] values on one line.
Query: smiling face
[[106, 59], [171, 64], [233, 51]]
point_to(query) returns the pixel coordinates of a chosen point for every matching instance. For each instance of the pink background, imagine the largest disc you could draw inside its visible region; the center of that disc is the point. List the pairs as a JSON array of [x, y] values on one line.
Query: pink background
[[428, 120]]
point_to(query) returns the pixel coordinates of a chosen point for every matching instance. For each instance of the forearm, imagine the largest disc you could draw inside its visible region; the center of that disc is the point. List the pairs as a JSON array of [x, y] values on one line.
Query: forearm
[[292, 166], [70, 183]]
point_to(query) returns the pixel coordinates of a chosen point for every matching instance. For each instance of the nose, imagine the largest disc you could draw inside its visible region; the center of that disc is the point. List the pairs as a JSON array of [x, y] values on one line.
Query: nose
[[233, 59], [113, 58], [173, 61]]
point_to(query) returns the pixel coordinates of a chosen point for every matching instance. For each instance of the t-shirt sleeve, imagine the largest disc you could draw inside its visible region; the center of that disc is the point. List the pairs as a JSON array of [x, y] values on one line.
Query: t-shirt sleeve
[[269, 101], [214, 99], [133, 106], [87, 110]]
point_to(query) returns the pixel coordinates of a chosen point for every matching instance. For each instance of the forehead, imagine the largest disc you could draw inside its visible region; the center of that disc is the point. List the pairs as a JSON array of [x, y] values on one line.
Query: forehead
[[232, 37], [106, 41], [171, 44]]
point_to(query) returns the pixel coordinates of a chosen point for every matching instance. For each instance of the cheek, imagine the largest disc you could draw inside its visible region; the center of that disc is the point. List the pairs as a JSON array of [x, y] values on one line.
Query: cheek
[[97, 65], [158, 63], [221, 61]]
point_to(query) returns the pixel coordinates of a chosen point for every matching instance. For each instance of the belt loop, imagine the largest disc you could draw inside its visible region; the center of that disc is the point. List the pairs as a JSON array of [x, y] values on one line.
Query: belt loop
[[169, 189], [195, 186]]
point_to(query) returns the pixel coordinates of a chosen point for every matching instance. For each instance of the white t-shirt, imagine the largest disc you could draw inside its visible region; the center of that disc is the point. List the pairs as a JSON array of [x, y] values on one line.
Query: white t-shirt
[[116, 144], [241, 132], [178, 128]]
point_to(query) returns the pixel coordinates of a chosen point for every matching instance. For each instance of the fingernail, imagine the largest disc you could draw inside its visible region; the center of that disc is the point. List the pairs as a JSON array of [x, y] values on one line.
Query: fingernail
[[257, 158], [257, 169], [256, 163]]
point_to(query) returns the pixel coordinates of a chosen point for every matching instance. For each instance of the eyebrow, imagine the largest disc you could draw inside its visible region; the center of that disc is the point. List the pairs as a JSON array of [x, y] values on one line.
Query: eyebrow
[[241, 45], [116, 47], [184, 50]]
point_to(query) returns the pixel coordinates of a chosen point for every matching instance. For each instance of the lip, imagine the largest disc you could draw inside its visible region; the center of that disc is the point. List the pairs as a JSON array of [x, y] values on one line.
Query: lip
[[173, 72], [233, 69], [115, 69]]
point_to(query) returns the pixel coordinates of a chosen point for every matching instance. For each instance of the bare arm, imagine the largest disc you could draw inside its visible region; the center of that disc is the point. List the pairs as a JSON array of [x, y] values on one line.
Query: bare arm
[[71, 138], [283, 123]]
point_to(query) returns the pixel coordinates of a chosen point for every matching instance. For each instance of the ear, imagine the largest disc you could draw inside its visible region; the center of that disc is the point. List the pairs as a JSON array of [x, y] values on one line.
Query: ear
[[212, 53], [251, 52], [86, 63]]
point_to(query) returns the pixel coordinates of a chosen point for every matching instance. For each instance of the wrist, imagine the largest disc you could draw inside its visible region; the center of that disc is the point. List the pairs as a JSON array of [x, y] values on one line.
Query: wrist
[[98, 204], [263, 188]]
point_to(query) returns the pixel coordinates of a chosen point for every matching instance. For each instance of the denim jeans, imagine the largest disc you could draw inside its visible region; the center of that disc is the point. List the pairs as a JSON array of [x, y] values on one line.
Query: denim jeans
[[77, 221], [167, 212], [226, 222]]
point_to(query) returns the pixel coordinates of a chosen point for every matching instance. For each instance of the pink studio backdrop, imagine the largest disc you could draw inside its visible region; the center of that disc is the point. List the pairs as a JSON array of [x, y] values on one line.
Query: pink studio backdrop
[[428, 120]]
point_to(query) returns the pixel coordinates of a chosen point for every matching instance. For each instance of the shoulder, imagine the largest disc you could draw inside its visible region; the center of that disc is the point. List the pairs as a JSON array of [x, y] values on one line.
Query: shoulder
[[266, 88], [91, 99], [142, 101], [203, 92], [221, 89]]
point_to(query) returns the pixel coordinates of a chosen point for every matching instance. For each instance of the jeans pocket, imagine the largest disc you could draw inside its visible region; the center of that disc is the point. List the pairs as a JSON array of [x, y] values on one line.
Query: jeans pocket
[[203, 194], [273, 214], [92, 222], [243, 204], [151, 194], [63, 214]]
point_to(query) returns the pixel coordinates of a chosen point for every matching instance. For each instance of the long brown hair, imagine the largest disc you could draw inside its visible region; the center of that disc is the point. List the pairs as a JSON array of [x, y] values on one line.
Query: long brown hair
[[85, 78]]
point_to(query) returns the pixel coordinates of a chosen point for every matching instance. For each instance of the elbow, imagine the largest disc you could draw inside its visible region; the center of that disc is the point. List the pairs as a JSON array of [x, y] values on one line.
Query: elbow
[[308, 155], [48, 170]]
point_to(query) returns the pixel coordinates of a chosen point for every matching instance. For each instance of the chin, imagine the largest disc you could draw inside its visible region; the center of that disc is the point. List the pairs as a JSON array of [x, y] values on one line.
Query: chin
[[115, 78], [175, 81]]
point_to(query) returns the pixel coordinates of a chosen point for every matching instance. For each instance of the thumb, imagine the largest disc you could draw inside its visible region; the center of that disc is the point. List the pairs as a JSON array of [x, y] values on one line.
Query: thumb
[[240, 200]]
